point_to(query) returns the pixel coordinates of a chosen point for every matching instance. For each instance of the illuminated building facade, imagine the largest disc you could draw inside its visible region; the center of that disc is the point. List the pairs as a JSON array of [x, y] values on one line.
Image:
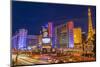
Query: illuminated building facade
[[51, 33], [61, 34], [32, 40], [57, 36], [77, 36], [65, 35], [70, 34], [56, 39], [47, 37], [14, 42], [78, 41], [50, 29], [22, 41]]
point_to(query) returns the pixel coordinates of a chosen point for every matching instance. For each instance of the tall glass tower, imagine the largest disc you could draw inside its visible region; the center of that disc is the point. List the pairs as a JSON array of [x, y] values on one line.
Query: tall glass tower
[[22, 44], [70, 34]]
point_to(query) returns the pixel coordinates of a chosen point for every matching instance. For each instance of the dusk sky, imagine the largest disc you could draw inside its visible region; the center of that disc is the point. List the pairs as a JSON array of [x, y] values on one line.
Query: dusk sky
[[32, 15]]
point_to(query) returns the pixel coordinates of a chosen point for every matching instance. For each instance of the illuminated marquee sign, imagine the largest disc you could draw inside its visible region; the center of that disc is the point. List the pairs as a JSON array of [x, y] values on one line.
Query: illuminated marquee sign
[[46, 40]]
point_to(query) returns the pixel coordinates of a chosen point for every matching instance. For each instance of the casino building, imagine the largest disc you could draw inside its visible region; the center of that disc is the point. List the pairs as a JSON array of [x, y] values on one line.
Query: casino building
[[64, 35]]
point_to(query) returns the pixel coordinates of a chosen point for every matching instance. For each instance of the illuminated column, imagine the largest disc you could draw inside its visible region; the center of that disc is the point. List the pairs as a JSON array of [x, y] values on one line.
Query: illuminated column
[[14, 41], [55, 31], [22, 39], [51, 33], [57, 45], [70, 34]]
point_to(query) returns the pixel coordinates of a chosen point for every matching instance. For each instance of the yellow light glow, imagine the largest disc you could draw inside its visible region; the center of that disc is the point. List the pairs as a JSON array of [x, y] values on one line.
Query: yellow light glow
[[77, 35]]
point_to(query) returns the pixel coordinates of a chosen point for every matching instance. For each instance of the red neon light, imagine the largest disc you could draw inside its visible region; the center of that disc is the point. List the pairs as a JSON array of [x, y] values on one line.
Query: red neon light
[[50, 29]]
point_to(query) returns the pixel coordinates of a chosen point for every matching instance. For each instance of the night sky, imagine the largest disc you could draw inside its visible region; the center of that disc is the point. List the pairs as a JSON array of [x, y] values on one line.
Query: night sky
[[33, 15]]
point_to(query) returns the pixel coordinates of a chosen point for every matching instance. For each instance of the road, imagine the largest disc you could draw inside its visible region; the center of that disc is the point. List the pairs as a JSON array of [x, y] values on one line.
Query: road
[[43, 59], [25, 60]]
